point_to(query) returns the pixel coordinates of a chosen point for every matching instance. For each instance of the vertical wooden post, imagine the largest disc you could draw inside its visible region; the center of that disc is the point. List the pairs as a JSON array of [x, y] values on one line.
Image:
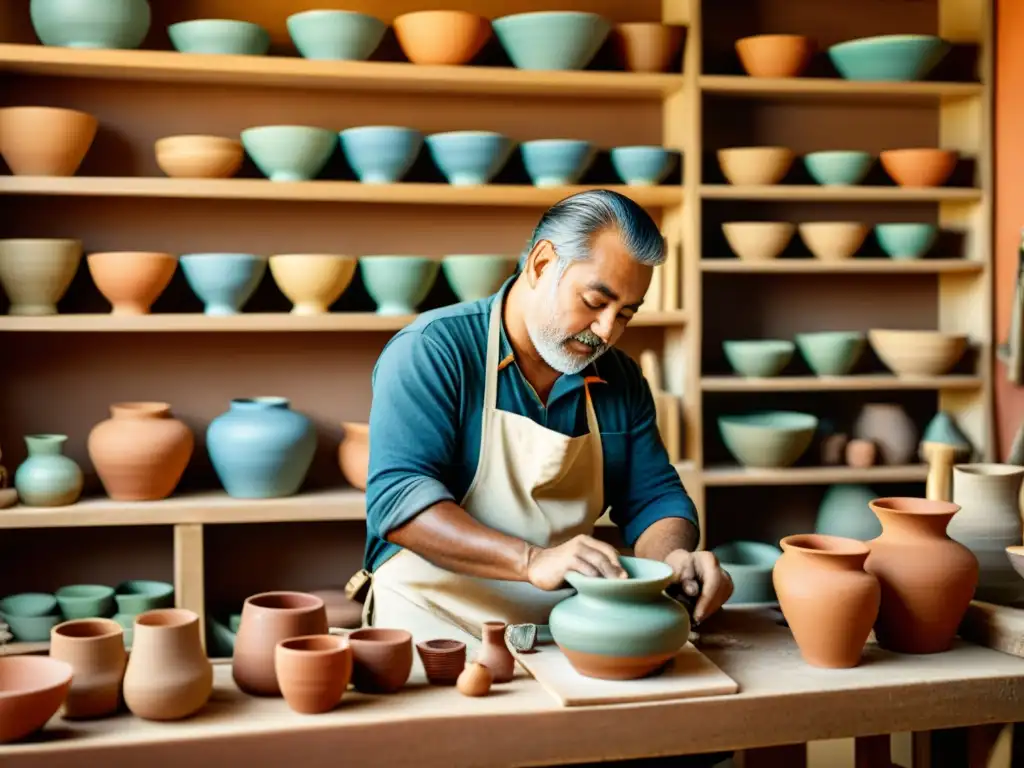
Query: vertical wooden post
[[189, 579]]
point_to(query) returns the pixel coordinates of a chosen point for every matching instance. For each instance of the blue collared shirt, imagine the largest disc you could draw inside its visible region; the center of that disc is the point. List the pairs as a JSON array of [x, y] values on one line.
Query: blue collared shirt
[[425, 422]]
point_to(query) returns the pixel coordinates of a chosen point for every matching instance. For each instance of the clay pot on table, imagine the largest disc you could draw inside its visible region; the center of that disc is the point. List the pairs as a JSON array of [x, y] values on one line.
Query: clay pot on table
[[775, 55], [168, 675], [354, 453], [45, 141], [443, 660], [141, 451], [381, 659], [36, 273], [131, 280], [313, 671], [829, 601], [95, 650], [494, 653], [927, 578], [267, 619], [647, 46]]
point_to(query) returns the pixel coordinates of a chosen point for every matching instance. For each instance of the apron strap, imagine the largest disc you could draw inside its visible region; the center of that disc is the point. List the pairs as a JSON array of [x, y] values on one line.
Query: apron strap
[[491, 362]]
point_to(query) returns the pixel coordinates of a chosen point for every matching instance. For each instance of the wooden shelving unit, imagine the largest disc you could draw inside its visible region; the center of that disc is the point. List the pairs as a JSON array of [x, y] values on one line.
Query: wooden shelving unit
[[62, 372]]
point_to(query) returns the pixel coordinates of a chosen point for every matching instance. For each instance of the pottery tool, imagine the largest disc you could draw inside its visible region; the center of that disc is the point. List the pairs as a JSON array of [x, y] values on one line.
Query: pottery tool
[[666, 405]]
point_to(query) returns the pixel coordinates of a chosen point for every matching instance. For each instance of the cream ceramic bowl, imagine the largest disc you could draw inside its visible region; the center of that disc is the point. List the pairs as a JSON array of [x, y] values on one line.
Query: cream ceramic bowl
[[199, 157], [755, 166], [312, 281], [758, 240], [833, 240], [918, 353]]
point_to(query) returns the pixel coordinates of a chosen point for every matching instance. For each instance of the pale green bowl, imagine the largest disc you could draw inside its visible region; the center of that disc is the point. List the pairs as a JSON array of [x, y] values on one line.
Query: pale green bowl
[[768, 439], [758, 358], [831, 353]]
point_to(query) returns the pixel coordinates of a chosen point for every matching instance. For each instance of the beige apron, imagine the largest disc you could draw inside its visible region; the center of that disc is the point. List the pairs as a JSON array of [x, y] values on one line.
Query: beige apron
[[532, 483]]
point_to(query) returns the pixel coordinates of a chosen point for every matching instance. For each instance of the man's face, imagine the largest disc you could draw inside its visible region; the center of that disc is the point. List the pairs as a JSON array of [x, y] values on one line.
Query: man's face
[[575, 322]]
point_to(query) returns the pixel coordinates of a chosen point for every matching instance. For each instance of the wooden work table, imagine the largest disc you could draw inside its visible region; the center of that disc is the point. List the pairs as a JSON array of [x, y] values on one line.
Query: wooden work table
[[781, 701]]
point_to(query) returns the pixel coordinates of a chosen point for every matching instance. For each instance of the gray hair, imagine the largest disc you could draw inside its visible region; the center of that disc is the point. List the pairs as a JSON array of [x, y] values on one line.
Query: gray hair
[[572, 224]]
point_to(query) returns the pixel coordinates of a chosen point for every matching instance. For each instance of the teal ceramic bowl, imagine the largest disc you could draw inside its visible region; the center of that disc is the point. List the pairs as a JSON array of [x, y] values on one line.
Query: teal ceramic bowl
[[226, 36], [473, 276], [557, 40], [750, 564], [90, 24], [336, 35], [767, 439], [888, 57], [556, 162], [289, 152], [223, 281], [32, 629], [906, 240], [469, 158], [758, 358], [28, 604], [138, 595], [86, 601], [643, 166], [831, 353], [398, 283], [838, 167], [381, 154]]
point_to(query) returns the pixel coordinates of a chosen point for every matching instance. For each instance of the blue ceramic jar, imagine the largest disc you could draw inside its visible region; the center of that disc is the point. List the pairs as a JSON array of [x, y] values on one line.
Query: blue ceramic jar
[[47, 478], [260, 448]]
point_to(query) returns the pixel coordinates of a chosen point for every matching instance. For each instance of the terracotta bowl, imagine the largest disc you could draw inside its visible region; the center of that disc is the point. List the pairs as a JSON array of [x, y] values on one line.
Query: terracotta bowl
[[131, 280], [45, 141], [32, 688], [775, 55], [918, 353], [313, 671], [443, 660], [1016, 555], [199, 157], [354, 453], [646, 46], [441, 37], [382, 659], [833, 240], [755, 165], [312, 281], [919, 167], [758, 240]]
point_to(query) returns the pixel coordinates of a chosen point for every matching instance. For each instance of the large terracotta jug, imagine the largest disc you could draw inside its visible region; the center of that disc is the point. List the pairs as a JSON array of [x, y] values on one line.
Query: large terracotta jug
[[267, 619], [141, 451], [168, 675], [927, 579], [989, 521], [829, 601]]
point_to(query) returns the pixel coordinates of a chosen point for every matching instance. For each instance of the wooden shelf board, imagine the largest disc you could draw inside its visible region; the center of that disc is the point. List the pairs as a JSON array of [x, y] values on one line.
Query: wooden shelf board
[[19, 648], [862, 266], [322, 191], [250, 322], [851, 194], [831, 88], [735, 475], [880, 382], [296, 72]]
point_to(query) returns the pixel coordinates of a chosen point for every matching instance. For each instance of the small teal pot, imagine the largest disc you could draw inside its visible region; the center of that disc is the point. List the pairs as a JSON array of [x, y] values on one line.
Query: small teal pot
[[335, 35], [381, 154], [398, 283], [888, 57], [48, 478], [758, 358], [223, 281], [906, 240], [260, 448], [551, 40], [621, 629], [750, 564], [224, 36], [556, 162], [643, 166], [838, 168], [474, 276], [469, 158], [844, 511], [120, 24], [831, 353], [289, 152]]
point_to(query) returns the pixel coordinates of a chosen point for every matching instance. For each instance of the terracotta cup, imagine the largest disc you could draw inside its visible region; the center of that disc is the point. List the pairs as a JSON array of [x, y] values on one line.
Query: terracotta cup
[[95, 650], [443, 660], [381, 659], [354, 453], [45, 141], [647, 46], [131, 280], [313, 671], [267, 619], [441, 36]]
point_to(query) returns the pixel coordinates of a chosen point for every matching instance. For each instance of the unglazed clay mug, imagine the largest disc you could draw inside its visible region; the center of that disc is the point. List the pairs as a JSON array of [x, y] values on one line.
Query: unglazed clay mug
[[95, 650], [381, 659], [313, 671]]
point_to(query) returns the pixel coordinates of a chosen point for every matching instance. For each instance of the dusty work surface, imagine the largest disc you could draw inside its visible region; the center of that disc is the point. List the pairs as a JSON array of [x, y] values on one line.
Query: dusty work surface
[[780, 700]]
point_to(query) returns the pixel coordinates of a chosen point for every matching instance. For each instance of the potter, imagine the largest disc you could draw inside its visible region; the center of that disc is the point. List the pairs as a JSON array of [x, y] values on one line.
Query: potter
[[502, 429]]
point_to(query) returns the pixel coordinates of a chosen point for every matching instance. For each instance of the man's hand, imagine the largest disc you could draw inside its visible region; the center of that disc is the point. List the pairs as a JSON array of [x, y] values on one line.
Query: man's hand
[[700, 574], [546, 568]]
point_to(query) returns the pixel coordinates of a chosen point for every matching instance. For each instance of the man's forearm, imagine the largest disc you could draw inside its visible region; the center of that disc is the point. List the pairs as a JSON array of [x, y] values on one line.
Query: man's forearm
[[666, 536], [447, 536]]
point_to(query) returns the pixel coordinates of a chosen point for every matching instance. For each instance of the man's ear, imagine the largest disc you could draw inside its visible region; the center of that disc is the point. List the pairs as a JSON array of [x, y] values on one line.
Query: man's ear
[[540, 258]]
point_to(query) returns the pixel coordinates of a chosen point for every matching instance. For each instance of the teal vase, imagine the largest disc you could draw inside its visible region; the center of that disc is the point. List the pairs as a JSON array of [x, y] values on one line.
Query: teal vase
[[621, 629], [844, 511], [48, 478]]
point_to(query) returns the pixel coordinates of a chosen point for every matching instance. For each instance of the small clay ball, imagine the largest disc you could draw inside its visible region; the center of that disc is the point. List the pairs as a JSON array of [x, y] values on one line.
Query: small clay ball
[[474, 680]]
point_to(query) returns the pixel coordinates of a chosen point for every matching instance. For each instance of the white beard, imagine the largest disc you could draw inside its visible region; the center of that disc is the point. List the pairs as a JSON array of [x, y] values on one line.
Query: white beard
[[549, 341]]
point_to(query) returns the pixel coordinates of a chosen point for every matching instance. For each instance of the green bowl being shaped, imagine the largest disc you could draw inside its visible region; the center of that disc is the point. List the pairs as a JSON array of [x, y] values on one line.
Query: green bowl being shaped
[[398, 283], [900, 58], [840, 168], [750, 564], [475, 276], [138, 595], [906, 240], [112, 24], [32, 629], [220, 36], [86, 601], [551, 40], [28, 604], [831, 353], [759, 358], [768, 439]]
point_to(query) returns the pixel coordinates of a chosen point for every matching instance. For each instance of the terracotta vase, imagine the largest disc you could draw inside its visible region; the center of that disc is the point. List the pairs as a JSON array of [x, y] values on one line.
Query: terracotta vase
[[313, 671], [95, 650], [354, 453], [131, 280], [927, 579], [988, 522], [168, 675], [494, 653], [889, 427], [36, 273], [267, 619], [829, 601], [647, 46], [45, 141], [381, 659], [141, 451]]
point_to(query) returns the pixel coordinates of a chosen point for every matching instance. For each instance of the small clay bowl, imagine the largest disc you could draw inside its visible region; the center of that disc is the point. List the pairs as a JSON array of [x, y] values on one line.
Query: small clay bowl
[[443, 660], [381, 659], [313, 671]]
